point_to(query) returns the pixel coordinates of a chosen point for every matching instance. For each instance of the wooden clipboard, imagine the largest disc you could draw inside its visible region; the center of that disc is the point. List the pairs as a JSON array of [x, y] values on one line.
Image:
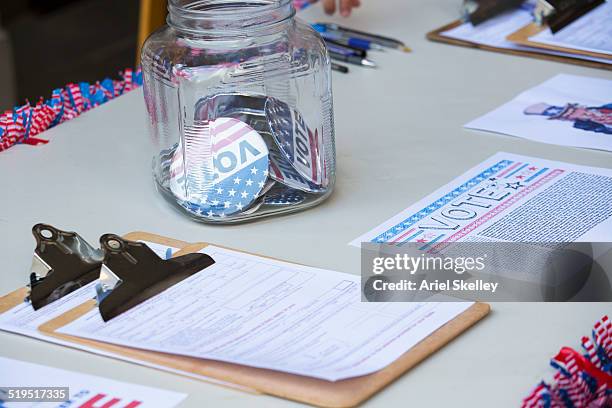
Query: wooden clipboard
[[16, 297], [436, 35], [344, 393], [522, 37]]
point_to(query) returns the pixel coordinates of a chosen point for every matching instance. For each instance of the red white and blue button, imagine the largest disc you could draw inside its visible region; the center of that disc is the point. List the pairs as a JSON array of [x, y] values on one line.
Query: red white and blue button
[[301, 145], [234, 181]]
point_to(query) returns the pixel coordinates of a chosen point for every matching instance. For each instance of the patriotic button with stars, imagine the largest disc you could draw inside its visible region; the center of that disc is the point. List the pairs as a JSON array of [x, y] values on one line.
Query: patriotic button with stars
[[240, 170], [299, 144], [284, 196], [283, 172]]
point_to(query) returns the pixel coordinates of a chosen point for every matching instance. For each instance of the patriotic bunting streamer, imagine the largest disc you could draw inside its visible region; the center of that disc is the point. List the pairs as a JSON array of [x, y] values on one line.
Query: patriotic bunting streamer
[[23, 124], [581, 381]]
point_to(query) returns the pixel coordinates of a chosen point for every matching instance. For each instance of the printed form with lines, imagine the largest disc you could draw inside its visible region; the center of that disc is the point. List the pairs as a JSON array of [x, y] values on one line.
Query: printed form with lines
[[265, 313]]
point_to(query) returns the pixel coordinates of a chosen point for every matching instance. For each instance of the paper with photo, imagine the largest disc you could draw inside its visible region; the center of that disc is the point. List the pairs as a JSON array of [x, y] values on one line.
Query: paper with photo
[[83, 390], [591, 32], [494, 31], [508, 198], [24, 320], [264, 313], [567, 110]]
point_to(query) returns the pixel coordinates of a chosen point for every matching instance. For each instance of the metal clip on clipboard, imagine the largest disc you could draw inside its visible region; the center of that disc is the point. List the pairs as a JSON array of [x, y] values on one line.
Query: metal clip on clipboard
[[129, 272], [479, 11], [132, 272], [557, 14], [63, 262]]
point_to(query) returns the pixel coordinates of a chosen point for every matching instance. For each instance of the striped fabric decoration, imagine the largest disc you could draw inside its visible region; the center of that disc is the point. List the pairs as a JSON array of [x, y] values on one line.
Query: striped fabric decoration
[[22, 124], [581, 381]]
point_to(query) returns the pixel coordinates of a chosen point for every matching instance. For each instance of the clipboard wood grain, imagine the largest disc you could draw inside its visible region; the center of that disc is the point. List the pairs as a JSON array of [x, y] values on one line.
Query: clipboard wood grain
[[158, 239], [344, 393], [12, 299], [522, 37], [436, 36]]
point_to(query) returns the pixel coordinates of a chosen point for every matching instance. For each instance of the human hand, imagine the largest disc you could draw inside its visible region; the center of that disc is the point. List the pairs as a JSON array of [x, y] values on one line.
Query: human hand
[[346, 6]]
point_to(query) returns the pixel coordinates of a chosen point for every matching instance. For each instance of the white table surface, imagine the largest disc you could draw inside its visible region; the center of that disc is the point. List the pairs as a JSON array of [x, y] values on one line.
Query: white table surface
[[399, 136]]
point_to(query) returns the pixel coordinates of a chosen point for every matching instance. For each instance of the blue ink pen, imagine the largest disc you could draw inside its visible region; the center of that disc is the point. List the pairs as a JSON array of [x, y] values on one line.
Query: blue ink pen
[[356, 51], [345, 40], [342, 50]]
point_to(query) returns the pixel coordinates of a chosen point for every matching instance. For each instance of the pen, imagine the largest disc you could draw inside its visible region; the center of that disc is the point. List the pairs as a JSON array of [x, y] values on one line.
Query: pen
[[345, 51], [361, 43], [356, 51], [374, 38], [353, 59], [339, 67]]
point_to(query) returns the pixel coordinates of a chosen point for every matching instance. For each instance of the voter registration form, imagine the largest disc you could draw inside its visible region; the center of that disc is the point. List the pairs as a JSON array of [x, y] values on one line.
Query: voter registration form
[[264, 313]]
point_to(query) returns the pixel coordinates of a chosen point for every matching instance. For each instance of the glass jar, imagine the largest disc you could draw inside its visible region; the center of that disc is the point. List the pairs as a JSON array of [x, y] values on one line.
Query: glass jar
[[239, 99]]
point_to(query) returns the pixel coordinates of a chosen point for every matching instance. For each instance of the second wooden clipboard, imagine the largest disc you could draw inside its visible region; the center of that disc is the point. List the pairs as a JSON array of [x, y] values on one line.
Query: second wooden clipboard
[[523, 36], [344, 393], [436, 35]]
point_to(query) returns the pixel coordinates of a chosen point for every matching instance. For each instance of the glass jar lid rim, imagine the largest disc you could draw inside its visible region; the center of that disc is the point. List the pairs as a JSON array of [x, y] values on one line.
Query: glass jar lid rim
[[217, 8]]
